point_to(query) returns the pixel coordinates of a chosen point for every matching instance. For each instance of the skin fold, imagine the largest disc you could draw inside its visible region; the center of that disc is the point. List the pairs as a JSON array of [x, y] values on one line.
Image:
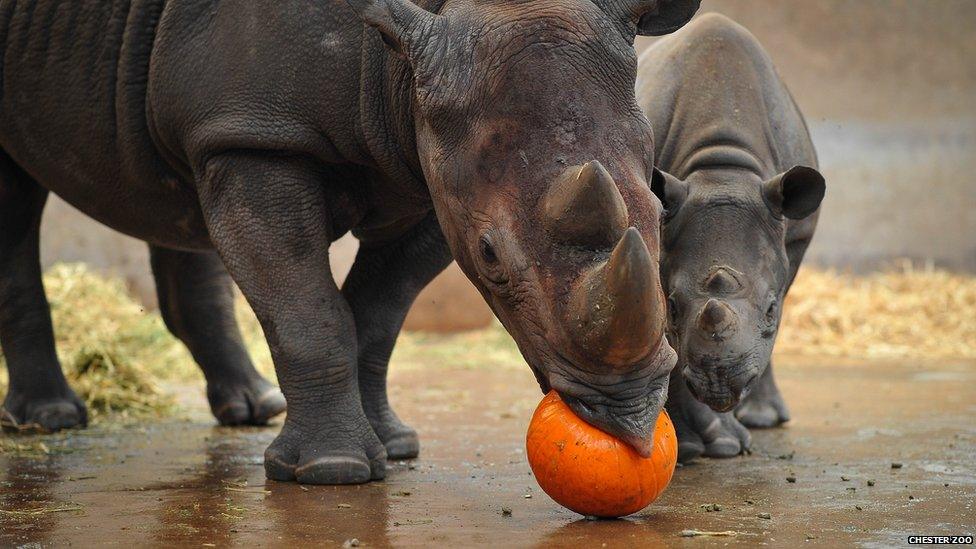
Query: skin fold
[[240, 139], [739, 184]]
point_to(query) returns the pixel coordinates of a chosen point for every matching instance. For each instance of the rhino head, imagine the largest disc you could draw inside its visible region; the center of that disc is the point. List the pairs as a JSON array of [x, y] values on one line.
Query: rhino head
[[538, 160], [726, 267]]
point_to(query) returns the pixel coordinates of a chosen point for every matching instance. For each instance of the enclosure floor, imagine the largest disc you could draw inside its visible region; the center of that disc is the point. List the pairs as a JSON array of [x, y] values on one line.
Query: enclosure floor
[[190, 483]]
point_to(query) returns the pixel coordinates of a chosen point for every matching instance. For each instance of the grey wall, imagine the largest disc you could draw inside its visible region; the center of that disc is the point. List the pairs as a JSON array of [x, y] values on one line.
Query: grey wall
[[888, 87]]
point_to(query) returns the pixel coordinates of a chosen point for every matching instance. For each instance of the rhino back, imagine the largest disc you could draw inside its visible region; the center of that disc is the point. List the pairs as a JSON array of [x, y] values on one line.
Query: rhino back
[[262, 74], [710, 88], [296, 77], [714, 99], [114, 104], [72, 113]]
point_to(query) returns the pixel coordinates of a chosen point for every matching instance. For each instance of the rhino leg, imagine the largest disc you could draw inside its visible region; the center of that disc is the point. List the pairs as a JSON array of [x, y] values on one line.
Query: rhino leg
[[38, 397], [269, 219], [196, 298], [702, 431], [382, 285], [763, 407]]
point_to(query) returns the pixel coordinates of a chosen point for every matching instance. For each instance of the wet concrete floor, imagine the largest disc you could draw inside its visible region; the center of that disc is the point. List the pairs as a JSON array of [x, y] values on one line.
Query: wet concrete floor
[[189, 483]]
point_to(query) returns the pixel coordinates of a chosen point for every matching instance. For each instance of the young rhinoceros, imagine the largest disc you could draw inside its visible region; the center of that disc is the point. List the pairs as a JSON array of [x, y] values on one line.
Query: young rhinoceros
[[741, 195]]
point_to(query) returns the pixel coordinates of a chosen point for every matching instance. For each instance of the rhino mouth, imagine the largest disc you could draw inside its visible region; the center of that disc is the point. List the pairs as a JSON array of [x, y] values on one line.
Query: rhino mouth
[[719, 402], [624, 404], [719, 386]]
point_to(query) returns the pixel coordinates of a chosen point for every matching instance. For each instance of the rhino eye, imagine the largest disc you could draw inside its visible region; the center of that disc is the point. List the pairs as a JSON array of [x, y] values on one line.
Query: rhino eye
[[770, 320], [487, 251]]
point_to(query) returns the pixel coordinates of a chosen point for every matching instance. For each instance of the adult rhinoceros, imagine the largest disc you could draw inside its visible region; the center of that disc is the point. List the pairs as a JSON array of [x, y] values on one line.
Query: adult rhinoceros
[[239, 139]]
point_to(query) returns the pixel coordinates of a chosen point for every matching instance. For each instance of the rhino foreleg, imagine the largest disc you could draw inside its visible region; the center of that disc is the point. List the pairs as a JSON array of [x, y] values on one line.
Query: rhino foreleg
[[269, 219], [764, 406], [702, 431], [382, 285]]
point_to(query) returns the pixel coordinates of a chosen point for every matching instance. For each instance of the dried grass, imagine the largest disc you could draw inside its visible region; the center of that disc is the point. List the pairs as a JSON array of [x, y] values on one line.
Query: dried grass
[[897, 313], [112, 351], [115, 354]]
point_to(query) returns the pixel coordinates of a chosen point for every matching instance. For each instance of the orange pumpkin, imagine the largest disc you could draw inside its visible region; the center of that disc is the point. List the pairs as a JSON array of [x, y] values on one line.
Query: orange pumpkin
[[592, 472]]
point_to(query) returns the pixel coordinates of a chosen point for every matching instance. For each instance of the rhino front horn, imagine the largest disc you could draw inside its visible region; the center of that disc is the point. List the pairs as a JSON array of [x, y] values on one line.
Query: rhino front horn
[[617, 307], [716, 320], [584, 207]]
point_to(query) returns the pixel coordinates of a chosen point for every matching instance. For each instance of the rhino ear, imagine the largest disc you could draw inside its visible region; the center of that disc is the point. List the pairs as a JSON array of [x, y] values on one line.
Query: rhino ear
[[406, 27], [658, 17], [795, 193], [670, 190]]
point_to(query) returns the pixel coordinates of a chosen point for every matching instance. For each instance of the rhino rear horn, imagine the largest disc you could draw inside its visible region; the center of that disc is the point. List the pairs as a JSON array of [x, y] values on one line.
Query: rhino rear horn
[[618, 308], [722, 281], [584, 207]]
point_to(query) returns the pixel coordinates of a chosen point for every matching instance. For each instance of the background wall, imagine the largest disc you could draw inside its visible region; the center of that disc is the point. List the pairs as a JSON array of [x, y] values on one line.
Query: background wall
[[889, 90], [888, 87]]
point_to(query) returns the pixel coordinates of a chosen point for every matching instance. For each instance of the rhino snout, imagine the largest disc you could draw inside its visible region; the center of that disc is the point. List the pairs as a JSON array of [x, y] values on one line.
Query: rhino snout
[[721, 393], [625, 405]]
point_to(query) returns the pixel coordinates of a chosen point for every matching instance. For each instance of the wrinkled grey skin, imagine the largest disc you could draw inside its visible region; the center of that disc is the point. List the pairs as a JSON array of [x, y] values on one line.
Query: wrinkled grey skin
[[741, 192], [239, 139]]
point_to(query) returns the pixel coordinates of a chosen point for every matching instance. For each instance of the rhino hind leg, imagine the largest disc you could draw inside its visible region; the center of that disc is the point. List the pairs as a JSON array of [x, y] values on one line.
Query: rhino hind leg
[[763, 407], [196, 298], [38, 397], [383, 283], [702, 431], [269, 218]]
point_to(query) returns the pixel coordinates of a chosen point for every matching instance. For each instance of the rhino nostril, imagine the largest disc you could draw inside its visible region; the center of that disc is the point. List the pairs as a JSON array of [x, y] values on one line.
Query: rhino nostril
[[672, 311]]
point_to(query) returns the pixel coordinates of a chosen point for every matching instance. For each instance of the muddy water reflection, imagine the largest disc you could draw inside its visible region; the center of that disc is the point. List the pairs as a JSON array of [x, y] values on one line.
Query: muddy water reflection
[[28, 498]]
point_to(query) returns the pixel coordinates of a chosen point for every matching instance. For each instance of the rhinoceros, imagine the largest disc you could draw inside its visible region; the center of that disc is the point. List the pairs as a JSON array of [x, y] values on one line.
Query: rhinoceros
[[240, 139], [738, 180]]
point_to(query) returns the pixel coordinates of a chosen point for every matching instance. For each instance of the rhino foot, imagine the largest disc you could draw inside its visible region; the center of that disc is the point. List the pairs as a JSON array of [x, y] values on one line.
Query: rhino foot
[[763, 412], [328, 454], [401, 441], [702, 431], [42, 415], [763, 407], [247, 402]]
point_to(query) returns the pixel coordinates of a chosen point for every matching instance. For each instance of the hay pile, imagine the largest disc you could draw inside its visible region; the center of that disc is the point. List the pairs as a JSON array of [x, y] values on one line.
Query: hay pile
[[118, 357], [899, 313], [112, 351]]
